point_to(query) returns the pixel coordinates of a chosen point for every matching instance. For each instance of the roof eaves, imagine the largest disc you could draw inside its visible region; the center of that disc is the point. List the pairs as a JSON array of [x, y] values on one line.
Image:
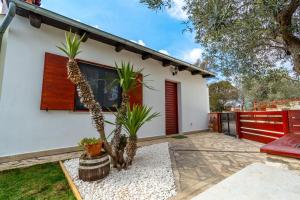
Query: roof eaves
[[89, 29]]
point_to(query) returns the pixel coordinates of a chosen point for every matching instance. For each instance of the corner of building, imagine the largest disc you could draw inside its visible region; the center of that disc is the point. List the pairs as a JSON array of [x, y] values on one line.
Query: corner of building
[[3, 46]]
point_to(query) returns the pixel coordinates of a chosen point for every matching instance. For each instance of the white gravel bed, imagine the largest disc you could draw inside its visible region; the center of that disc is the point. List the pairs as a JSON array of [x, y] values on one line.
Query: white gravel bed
[[150, 177]]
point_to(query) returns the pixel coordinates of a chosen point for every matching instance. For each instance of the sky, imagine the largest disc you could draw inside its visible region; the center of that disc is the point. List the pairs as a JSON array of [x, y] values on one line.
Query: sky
[[160, 30]]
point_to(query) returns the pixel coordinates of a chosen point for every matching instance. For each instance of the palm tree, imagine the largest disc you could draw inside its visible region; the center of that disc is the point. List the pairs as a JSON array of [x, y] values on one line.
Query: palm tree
[[71, 49], [132, 121], [127, 81]]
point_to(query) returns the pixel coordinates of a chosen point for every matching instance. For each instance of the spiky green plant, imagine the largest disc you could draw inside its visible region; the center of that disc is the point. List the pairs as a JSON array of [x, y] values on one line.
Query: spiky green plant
[[135, 118], [127, 76], [87, 98], [132, 121], [127, 81], [71, 47]]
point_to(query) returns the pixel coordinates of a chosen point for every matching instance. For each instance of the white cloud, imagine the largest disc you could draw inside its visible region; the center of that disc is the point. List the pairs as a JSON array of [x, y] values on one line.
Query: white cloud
[[96, 26], [192, 55], [176, 11], [140, 42], [164, 51]]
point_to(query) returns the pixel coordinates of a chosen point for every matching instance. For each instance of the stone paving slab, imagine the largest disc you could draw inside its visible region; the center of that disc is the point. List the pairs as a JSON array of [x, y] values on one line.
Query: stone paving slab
[[194, 190]]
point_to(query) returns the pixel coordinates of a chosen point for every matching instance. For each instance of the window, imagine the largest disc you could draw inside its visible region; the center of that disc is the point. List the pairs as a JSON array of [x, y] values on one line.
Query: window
[[101, 81], [58, 93]]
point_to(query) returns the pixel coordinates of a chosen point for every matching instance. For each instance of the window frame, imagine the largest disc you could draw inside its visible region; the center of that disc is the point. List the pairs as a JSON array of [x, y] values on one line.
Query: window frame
[[76, 94]]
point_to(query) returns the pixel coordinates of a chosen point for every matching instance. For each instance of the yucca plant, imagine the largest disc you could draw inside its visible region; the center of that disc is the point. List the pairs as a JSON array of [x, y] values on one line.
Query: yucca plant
[[127, 76], [127, 81], [71, 49], [134, 119], [72, 45]]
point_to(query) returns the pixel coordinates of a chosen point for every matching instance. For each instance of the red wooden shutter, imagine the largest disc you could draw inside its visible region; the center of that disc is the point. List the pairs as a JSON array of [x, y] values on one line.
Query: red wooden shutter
[[58, 93], [136, 95]]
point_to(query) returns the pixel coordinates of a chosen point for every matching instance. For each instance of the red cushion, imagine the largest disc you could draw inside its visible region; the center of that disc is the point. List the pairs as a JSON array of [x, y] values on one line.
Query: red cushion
[[288, 145]]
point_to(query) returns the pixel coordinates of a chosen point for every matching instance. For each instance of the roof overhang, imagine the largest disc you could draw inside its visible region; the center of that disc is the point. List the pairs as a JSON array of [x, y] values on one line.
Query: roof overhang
[[38, 16]]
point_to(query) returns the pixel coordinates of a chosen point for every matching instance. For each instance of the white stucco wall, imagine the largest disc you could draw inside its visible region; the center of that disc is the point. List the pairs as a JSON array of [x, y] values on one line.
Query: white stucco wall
[[25, 128], [3, 7]]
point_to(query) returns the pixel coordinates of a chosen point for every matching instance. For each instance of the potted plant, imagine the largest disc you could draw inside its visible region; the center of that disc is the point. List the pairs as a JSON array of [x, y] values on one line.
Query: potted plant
[[92, 146]]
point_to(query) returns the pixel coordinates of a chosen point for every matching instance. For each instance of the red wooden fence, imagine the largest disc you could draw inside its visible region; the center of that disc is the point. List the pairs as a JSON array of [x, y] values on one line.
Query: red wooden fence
[[262, 127], [287, 145], [294, 121], [215, 122]]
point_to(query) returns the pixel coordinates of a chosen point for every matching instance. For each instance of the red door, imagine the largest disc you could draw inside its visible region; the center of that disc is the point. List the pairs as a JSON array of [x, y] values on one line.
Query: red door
[[171, 106]]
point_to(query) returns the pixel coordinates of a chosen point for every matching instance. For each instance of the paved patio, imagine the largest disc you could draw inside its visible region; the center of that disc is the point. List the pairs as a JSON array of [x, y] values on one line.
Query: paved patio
[[199, 161], [202, 160]]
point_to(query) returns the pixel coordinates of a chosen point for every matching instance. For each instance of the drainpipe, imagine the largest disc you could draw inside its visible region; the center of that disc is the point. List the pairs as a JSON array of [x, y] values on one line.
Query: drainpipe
[[7, 20]]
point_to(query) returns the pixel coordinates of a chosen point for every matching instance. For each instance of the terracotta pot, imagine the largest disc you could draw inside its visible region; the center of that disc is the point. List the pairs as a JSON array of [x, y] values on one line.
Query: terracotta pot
[[93, 149]]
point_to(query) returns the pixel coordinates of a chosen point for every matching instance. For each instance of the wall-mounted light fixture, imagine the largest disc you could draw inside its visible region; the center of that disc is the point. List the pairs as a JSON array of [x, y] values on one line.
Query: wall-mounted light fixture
[[174, 70]]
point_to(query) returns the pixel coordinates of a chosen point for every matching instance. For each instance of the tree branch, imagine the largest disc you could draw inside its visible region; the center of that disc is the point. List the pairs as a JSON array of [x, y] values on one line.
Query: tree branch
[[284, 19]]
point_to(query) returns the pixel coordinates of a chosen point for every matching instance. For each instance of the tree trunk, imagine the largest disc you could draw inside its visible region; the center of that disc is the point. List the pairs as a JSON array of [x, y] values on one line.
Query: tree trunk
[[295, 52], [131, 148], [88, 100], [117, 132], [243, 103], [284, 19]]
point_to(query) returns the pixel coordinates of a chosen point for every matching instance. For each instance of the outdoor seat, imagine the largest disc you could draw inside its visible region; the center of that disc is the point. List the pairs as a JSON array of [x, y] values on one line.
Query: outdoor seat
[[288, 145]]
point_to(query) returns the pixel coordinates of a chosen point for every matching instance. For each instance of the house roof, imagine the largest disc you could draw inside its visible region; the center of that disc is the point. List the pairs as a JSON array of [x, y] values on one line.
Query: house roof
[[38, 16]]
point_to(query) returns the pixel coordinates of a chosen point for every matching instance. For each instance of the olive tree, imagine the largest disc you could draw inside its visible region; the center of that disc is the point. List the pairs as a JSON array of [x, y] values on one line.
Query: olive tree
[[243, 36]]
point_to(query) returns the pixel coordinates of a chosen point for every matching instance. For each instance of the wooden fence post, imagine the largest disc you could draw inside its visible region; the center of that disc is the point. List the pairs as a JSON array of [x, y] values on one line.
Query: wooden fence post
[[238, 125], [285, 121], [220, 122]]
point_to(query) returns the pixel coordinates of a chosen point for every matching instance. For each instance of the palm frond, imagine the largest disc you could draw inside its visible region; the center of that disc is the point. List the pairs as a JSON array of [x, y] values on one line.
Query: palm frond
[[135, 118], [71, 45], [109, 122], [128, 77]]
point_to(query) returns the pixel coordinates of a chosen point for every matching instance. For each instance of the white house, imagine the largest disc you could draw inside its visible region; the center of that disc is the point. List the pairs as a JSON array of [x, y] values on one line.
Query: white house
[[39, 110]]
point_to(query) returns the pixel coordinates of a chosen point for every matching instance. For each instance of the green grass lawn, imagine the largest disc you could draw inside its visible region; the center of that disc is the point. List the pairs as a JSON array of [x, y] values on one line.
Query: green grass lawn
[[44, 181]]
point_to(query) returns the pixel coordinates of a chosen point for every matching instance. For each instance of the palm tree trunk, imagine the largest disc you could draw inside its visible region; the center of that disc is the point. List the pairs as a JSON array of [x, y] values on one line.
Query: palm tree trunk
[[117, 132], [131, 148], [88, 100]]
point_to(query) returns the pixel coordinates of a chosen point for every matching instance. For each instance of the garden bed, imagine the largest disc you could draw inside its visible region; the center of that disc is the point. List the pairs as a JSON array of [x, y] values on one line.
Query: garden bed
[[150, 177]]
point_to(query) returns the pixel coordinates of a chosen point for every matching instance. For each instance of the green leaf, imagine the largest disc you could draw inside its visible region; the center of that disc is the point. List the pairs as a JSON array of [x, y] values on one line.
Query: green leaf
[[135, 118], [71, 45]]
